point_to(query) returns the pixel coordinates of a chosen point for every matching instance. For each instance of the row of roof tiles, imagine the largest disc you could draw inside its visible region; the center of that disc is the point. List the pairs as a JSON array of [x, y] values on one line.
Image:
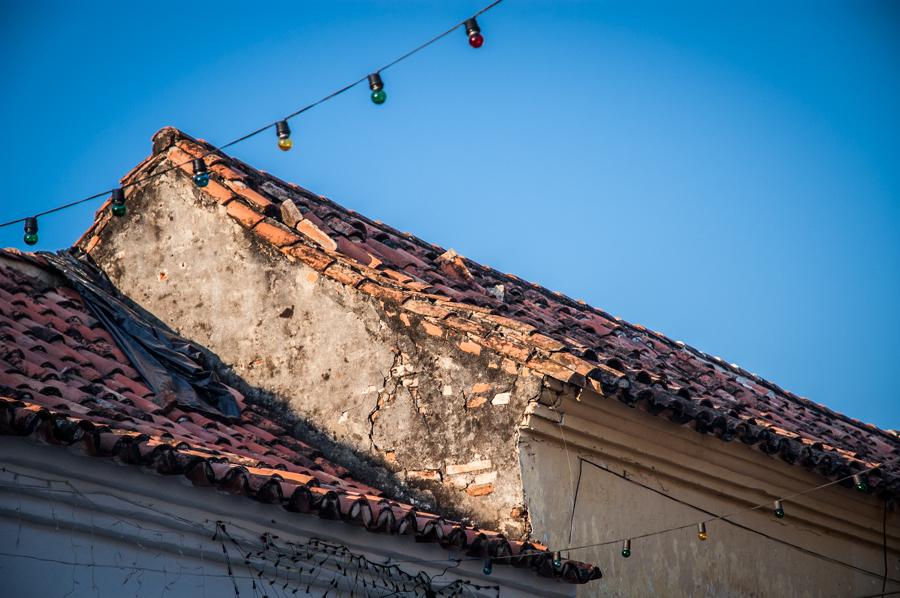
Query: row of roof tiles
[[478, 308], [65, 381]]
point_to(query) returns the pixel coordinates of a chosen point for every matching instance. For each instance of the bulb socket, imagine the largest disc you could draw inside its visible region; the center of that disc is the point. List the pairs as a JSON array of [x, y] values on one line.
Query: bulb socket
[[282, 129], [31, 226], [118, 197], [557, 560], [488, 566], [375, 82], [779, 509], [199, 166], [472, 26]]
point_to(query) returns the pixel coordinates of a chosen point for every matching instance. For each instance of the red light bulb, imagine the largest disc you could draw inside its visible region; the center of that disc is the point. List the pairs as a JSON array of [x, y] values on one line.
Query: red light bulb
[[474, 32]]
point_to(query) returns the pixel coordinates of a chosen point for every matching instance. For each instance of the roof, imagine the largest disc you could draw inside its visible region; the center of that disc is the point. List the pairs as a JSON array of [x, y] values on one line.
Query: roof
[[74, 371], [479, 308]]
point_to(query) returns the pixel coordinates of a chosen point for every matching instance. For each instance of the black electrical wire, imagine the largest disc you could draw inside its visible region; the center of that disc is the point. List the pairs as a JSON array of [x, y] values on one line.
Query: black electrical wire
[[262, 129]]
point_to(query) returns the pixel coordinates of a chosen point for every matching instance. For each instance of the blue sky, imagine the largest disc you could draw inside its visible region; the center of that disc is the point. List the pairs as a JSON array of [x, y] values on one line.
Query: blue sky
[[725, 173]]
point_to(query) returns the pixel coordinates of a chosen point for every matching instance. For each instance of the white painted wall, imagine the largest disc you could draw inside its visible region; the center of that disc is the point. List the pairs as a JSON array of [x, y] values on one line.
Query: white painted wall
[[73, 525]]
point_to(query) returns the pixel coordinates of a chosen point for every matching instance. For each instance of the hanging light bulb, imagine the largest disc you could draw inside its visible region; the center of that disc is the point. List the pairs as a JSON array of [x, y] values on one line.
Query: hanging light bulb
[[626, 548], [377, 87], [476, 40], [201, 175], [557, 560], [31, 228], [488, 566], [779, 509], [701, 531], [118, 202], [284, 135], [860, 482]]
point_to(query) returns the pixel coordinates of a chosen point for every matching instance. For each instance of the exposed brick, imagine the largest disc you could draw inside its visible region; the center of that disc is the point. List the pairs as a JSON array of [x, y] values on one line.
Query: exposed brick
[[475, 402], [501, 399], [468, 467], [481, 387], [470, 347], [432, 329], [479, 489]]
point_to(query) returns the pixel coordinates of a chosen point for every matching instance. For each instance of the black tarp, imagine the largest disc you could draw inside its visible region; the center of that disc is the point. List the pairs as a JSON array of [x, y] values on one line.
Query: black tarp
[[171, 366]]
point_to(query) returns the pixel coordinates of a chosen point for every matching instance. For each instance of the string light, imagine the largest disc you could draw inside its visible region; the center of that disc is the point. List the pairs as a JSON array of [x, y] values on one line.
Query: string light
[[557, 560], [488, 566], [476, 40], [118, 202], [377, 87], [283, 131], [779, 509], [378, 96], [201, 174], [31, 230], [701, 531], [626, 548], [860, 483]]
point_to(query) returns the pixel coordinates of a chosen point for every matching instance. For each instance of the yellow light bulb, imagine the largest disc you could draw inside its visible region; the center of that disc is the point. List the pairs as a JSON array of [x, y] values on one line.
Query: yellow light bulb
[[285, 143], [701, 532]]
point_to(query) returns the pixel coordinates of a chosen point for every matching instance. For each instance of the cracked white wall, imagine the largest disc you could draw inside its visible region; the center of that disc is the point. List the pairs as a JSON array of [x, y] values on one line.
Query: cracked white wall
[[384, 386]]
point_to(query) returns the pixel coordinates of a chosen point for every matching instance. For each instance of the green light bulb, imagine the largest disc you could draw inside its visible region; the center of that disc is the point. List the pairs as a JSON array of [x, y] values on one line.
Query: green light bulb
[[30, 238], [118, 210], [379, 96]]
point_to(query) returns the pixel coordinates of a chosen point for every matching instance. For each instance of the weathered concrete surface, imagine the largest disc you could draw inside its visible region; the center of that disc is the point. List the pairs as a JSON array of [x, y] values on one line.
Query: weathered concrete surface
[[440, 418]]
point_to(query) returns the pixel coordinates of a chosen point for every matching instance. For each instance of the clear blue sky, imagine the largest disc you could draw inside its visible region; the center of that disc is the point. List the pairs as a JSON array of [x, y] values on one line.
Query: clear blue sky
[[724, 173]]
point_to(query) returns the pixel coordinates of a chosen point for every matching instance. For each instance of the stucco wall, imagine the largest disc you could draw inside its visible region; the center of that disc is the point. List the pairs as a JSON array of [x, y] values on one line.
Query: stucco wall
[[436, 417], [637, 473], [77, 526]]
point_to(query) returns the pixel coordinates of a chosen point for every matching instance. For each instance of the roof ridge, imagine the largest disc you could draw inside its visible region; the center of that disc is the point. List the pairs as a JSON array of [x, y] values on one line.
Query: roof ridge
[[558, 336]]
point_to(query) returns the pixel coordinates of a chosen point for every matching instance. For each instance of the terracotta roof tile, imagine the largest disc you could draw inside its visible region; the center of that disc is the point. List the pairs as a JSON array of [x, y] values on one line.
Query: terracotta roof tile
[[63, 379], [567, 339]]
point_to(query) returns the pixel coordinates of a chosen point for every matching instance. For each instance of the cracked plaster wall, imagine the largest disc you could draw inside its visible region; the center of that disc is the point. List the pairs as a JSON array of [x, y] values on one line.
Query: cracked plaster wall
[[438, 418]]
